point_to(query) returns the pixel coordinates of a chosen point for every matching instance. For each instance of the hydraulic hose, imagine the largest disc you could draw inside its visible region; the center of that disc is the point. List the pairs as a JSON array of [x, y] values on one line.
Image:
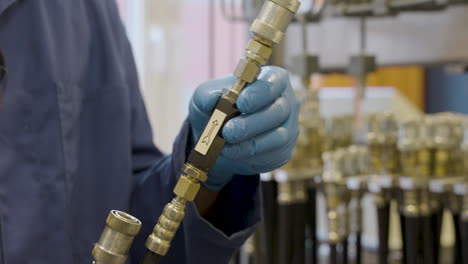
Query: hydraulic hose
[[383, 215], [268, 30], [299, 227], [358, 258], [311, 216], [270, 222], [333, 256], [411, 239], [463, 223], [151, 258], [457, 249], [428, 237], [286, 210]]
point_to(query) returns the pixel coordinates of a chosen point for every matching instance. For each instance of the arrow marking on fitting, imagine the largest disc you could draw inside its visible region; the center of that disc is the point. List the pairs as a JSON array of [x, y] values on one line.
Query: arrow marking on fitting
[[210, 132], [206, 139]]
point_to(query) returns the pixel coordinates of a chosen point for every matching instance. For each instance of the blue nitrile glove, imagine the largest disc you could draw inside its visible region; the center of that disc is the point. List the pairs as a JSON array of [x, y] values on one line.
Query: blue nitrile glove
[[259, 140]]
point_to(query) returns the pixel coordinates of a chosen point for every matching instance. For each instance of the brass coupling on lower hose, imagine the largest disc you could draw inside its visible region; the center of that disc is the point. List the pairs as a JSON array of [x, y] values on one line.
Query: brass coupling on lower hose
[[160, 240], [355, 212], [185, 190], [116, 239], [334, 234], [410, 206]]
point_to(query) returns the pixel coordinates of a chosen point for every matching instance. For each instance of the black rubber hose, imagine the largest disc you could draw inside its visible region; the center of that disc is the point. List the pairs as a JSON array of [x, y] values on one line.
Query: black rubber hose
[[270, 222], [428, 235], [403, 232], [333, 257], [411, 239], [299, 229], [436, 226], [383, 216], [457, 249], [151, 258], [285, 233], [344, 251], [464, 239], [358, 259], [311, 215]]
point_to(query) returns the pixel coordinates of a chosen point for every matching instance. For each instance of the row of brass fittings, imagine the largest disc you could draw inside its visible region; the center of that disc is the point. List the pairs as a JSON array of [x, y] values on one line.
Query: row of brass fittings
[[413, 154], [343, 185], [431, 154]]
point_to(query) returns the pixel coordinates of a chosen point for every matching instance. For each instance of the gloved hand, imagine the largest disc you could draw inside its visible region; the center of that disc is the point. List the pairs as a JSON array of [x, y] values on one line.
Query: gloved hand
[[259, 140]]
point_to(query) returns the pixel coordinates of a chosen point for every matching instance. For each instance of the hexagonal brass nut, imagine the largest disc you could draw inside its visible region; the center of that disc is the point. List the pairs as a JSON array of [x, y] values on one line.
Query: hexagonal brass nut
[[257, 51], [247, 71], [193, 172], [186, 188]]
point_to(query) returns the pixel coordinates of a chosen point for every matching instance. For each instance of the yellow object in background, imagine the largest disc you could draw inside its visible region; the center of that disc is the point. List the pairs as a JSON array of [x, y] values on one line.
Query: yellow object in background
[[409, 80]]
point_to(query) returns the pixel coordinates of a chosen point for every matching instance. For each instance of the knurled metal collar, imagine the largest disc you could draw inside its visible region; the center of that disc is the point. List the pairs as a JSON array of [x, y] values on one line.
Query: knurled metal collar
[[291, 5], [123, 223]]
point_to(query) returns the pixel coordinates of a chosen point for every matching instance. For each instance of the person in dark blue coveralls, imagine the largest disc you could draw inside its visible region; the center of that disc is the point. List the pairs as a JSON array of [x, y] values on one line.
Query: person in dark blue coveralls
[[75, 142]]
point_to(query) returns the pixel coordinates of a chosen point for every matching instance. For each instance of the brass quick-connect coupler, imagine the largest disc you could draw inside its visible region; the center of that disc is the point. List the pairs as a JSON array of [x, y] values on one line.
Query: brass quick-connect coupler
[[116, 239], [334, 188], [186, 189], [159, 241], [273, 19]]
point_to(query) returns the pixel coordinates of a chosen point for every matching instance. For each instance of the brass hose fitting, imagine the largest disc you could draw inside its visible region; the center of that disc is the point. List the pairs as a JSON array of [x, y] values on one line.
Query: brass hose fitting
[[389, 128], [375, 141], [334, 188], [409, 145], [116, 239], [268, 30], [340, 133], [355, 161]]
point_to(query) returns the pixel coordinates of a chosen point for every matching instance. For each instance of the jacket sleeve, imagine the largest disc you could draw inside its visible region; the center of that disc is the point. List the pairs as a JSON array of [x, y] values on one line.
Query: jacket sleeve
[[236, 211]]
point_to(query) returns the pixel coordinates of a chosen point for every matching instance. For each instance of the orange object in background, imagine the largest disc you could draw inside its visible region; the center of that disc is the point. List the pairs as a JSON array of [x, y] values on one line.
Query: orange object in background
[[409, 80]]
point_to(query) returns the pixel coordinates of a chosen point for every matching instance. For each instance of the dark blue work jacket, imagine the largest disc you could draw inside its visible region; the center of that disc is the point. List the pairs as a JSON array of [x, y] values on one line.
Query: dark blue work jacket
[[75, 142]]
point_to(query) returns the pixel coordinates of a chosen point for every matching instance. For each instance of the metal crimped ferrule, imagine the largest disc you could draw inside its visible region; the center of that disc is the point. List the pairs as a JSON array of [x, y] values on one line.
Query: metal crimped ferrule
[[410, 203], [116, 239], [159, 241]]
